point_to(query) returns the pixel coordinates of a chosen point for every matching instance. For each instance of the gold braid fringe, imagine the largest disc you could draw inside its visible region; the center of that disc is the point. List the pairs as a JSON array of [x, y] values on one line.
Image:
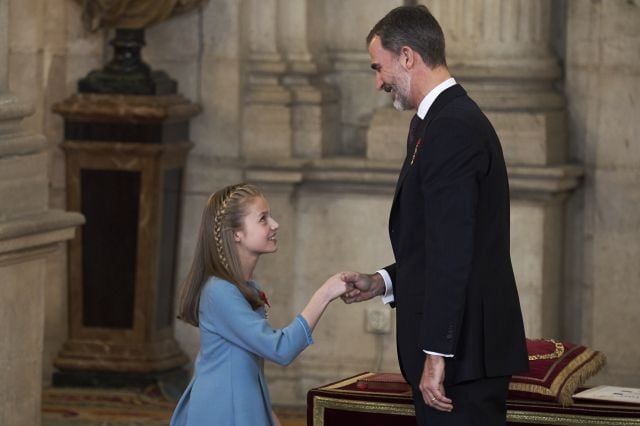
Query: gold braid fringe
[[573, 375], [557, 352]]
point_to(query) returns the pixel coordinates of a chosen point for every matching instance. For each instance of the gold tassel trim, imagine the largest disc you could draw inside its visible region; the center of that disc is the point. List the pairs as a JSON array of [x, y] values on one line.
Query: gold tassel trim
[[572, 376]]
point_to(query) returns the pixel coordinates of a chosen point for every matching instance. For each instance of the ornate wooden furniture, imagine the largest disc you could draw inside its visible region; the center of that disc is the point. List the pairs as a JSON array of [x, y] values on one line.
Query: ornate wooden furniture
[[125, 158]]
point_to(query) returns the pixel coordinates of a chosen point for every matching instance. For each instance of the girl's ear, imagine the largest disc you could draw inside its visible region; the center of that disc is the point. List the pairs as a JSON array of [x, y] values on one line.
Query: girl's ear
[[236, 236]]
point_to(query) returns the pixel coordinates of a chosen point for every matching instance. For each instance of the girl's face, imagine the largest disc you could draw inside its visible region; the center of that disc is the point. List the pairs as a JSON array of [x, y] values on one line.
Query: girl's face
[[259, 229]]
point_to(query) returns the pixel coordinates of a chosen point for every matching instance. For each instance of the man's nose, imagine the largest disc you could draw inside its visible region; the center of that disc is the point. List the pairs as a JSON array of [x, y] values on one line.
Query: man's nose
[[379, 82]]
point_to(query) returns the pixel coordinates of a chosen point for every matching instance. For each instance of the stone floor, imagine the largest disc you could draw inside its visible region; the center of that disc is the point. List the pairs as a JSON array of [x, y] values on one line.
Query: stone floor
[[69, 406]]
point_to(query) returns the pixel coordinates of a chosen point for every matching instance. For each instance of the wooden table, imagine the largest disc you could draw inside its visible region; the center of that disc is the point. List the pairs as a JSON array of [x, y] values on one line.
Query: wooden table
[[344, 403]]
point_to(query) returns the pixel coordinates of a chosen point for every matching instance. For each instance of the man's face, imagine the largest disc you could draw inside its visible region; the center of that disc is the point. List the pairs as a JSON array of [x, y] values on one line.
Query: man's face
[[390, 75]]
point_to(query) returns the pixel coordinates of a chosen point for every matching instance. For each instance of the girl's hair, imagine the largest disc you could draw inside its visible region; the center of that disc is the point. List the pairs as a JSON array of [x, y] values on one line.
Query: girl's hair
[[216, 251]]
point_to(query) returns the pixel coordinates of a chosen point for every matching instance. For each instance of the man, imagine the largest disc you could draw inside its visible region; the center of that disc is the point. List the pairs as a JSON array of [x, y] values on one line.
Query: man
[[460, 333]]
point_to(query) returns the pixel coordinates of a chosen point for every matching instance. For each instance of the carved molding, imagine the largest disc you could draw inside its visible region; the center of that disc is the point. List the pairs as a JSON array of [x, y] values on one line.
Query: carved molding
[[346, 174]]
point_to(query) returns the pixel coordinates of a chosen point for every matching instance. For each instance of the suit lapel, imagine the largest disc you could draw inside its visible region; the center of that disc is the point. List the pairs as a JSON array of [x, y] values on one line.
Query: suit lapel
[[443, 99]]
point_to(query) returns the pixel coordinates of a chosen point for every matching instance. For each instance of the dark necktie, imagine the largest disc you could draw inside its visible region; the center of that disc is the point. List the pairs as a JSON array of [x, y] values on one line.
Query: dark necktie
[[413, 128]]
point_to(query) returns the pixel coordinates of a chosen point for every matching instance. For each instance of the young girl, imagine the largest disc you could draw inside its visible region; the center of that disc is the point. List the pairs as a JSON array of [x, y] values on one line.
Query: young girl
[[219, 297]]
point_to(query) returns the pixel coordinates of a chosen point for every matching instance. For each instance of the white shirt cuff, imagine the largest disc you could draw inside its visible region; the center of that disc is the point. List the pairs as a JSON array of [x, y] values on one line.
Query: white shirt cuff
[[387, 297], [436, 353]]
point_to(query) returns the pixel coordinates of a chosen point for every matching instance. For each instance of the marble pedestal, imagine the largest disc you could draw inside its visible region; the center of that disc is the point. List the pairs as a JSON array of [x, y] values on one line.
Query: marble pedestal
[[125, 157]]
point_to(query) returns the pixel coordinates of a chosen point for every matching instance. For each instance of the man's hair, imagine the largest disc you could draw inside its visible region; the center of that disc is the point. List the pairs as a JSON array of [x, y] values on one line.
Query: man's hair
[[412, 26]]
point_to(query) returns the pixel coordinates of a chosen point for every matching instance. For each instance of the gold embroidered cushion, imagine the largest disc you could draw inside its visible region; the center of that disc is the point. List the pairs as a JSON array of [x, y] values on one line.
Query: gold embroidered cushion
[[556, 370]]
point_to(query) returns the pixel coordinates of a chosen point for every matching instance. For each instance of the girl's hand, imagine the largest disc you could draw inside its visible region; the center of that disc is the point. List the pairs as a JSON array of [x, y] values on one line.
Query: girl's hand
[[335, 287]]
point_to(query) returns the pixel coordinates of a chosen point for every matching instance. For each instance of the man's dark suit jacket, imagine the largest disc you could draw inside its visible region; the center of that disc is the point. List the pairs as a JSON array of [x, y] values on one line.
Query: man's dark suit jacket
[[453, 282]]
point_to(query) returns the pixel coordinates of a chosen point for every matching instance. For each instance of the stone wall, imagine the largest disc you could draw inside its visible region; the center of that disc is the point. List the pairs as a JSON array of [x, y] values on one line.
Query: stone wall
[[603, 223], [49, 51], [31, 233], [289, 102]]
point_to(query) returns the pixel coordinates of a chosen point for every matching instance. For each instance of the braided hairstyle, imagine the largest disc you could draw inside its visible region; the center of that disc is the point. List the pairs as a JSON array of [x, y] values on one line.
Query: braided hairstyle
[[216, 252]]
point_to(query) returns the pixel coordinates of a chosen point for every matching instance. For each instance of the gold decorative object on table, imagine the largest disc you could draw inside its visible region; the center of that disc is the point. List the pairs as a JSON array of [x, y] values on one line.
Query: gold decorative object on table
[[557, 352]]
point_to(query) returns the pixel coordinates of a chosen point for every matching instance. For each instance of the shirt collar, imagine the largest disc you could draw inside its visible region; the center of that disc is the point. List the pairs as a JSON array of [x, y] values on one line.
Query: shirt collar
[[428, 100]]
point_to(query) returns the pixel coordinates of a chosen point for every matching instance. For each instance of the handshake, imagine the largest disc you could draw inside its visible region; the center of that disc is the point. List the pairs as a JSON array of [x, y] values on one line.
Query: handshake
[[349, 286], [354, 286]]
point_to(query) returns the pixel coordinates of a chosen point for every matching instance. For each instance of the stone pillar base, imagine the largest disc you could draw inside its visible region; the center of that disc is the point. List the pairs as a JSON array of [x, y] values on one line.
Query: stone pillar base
[[25, 242], [171, 382], [121, 357]]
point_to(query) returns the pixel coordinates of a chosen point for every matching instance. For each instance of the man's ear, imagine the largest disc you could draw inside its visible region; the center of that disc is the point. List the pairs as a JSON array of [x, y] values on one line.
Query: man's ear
[[407, 57]]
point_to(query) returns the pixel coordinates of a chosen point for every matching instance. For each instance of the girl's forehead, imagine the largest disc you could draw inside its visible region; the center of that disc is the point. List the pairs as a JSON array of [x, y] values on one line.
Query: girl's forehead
[[258, 204]]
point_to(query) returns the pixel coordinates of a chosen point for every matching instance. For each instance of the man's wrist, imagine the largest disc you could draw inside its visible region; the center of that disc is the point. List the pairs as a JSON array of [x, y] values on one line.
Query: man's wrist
[[378, 284], [386, 290]]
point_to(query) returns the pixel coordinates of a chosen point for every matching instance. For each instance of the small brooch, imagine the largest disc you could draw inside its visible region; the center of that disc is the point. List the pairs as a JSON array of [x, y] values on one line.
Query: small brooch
[[267, 306], [263, 297], [415, 151]]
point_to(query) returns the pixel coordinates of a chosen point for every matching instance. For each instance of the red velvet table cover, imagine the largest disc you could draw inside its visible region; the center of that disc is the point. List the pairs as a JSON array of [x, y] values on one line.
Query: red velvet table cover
[[344, 403]]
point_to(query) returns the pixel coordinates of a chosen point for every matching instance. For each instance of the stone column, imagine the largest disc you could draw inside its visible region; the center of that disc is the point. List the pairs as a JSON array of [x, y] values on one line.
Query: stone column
[[215, 159], [4, 44], [29, 231], [266, 121], [501, 52], [346, 29], [603, 90], [504, 47], [314, 107]]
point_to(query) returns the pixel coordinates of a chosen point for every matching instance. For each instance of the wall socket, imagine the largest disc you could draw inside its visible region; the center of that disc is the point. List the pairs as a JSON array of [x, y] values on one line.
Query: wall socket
[[378, 320]]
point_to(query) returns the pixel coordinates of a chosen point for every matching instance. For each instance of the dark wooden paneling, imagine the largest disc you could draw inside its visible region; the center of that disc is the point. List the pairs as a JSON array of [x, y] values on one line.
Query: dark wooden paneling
[[110, 203]]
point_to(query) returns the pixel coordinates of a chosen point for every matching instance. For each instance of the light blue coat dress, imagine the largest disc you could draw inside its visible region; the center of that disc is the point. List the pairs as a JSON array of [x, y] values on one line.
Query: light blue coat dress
[[228, 385]]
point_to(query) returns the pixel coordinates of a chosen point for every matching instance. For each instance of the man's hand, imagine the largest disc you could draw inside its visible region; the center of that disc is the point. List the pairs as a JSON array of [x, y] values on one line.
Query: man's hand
[[364, 288], [431, 384]]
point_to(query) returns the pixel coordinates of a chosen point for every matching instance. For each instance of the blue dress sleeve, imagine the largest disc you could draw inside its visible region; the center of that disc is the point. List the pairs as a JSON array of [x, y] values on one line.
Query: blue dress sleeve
[[225, 311]]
